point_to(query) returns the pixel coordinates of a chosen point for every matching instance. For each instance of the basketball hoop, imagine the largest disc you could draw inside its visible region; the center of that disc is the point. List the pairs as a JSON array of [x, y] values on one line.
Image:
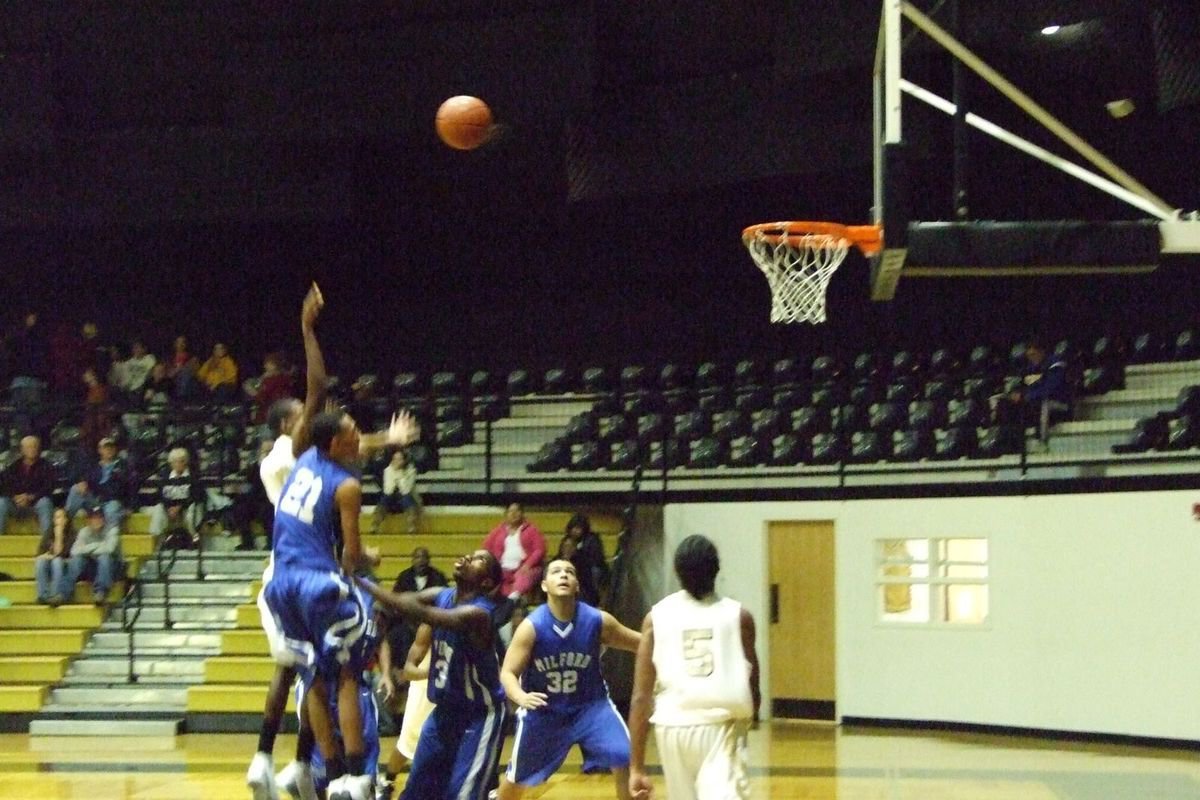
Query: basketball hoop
[[799, 258]]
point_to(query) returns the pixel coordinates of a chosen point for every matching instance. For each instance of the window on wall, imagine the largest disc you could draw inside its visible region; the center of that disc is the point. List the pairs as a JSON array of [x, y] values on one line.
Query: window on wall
[[940, 582]]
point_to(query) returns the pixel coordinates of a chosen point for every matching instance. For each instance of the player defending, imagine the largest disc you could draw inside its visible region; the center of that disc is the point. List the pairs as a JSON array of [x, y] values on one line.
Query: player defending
[[552, 674], [696, 667], [460, 742]]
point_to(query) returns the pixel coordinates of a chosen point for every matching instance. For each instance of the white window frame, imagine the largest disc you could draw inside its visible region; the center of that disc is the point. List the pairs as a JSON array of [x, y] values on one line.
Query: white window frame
[[938, 565]]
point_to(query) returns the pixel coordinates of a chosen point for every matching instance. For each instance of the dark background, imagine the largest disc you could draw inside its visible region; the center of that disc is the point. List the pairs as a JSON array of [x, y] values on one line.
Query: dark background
[[190, 167]]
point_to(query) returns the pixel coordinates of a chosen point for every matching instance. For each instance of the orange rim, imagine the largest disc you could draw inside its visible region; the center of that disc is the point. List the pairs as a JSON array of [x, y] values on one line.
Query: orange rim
[[867, 238]]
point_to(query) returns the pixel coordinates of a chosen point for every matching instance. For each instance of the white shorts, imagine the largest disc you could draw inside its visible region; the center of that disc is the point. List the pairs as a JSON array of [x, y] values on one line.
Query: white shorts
[[416, 710], [704, 762]]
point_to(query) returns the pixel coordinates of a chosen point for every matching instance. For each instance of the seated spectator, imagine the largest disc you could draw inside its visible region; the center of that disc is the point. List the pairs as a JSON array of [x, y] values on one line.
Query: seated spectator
[[275, 383], [129, 376], [520, 548], [583, 548], [1044, 398], [97, 420], [421, 575], [398, 492], [95, 555], [50, 564], [182, 369], [219, 374], [159, 388], [251, 505], [27, 485], [180, 503], [104, 484]]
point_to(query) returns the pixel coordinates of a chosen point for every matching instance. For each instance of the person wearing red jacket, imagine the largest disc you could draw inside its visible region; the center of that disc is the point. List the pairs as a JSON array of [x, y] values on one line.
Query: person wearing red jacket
[[520, 548]]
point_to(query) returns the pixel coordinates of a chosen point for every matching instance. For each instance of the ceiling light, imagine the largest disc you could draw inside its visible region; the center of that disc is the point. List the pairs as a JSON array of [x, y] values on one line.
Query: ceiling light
[[1050, 30]]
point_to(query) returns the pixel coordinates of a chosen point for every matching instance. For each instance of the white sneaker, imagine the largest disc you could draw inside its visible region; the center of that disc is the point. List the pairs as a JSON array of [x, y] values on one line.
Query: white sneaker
[[351, 787], [296, 779], [261, 778]]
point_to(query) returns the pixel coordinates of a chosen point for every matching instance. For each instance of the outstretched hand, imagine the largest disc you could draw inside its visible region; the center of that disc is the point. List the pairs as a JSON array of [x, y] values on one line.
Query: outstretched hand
[[530, 700], [313, 302], [640, 786], [403, 430]]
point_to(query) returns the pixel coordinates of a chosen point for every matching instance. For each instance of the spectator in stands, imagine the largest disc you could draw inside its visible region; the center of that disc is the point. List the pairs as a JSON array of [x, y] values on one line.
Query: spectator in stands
[[180, 499], [50, 565], [94, 351], [27, 485], [421, 575], [66, 365], [97, 421], [29, 356], [275, 383], [136, 369], [583, 548], [251, 503], [1044, 398], [219, 374], [398, 492], [94, 555], [160, 387], [520, 548], [182, 369], [105, 484]]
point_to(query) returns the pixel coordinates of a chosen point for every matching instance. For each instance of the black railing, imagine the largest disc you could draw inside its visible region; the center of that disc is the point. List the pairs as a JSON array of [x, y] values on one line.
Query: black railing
[[131, 610]]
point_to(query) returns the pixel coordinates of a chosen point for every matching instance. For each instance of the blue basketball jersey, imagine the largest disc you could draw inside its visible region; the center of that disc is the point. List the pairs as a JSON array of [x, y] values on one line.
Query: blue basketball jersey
[[565, 662], [461, 676], [306, 524]]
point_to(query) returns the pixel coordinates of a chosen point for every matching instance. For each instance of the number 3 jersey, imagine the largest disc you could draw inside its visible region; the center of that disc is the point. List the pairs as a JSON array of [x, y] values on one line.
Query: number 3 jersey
[[703, 675], [565, 662], [463, 677], [306, 524]]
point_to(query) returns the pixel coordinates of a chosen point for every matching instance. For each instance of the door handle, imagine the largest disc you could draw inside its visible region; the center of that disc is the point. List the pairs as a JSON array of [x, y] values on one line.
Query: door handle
[[774, 603]]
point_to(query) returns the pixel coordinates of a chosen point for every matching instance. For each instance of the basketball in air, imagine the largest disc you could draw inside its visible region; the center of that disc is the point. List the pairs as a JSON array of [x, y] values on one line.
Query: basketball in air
[[464, 122]]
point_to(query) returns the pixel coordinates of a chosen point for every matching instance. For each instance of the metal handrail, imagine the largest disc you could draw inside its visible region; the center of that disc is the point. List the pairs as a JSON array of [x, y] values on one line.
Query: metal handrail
[[133, 596]]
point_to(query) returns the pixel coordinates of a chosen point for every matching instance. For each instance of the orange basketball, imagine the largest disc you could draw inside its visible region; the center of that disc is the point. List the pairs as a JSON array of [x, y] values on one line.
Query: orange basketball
[[464, 122]]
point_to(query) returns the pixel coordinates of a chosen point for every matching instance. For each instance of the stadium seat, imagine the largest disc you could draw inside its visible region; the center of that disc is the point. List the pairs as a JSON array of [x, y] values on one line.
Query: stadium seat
[[453, 433], [613, 428], [641, 402], [1183, 433], [748, 451], [519, 383], [1187, 402], [651, 428], [710, 375], [482, 382], [673, 376], [955, 443], [827, 396], [1102, 379], [787, 450], [786, 372], [864, 394], [748, 372], [423, 456], [939, 391], [751, 397], [707, 452], [65, 436], [868, 447], [887, 417], [728, 425], [969, 412], [980, 388], [714, 399], [607, 404], [597, 380], [552, 457], [811, 420], [489, 407], [926, 415], [768, 423], [943, 364], [789, 399], [588, 456], [905, 365], [827, 448], [1108, 349], [865, 368], [824, 368], [1016, 358], [982, 361], [625, 454], [851, 418], [1187, 346], [445, 384], [913, 444], [1146, 349], [581, 428], [677, 401], [557, 380], [692, 425], [999, 440], [1149, 433], [904, 391], [448, 408], [676, 454], [634, 378], [407, 384]]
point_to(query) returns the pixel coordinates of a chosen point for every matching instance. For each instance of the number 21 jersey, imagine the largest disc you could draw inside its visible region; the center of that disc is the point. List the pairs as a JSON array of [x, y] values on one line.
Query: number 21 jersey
[[305, 533]]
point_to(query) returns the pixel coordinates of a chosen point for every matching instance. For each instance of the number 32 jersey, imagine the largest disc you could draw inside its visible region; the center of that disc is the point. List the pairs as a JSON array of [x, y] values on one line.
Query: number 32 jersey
[[306, 525], [703, 675], [565, 662]]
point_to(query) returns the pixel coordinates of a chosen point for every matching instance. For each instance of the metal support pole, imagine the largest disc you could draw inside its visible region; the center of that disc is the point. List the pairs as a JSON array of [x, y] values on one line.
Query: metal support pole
[[961, 155]]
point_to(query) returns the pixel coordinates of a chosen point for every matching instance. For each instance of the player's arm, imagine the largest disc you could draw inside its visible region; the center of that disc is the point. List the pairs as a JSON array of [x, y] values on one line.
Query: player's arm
[[348, 499], [471, 620], [615, 635], [748, 634], [317, 381], [516, 659], [403, 430], [413, 668], [640, 705]]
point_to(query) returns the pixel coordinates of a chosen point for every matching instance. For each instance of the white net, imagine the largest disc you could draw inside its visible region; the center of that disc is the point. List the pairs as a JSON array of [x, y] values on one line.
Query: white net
[[798, 268]]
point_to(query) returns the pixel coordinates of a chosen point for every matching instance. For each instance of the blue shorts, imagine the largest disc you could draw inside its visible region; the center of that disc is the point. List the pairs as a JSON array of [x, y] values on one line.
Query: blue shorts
[[316, 618], [544, 736], [456, 755], [370, 720]]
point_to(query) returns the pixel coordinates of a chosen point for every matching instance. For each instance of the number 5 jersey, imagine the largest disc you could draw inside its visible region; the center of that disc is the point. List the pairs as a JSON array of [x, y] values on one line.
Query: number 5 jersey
[[703, 675]]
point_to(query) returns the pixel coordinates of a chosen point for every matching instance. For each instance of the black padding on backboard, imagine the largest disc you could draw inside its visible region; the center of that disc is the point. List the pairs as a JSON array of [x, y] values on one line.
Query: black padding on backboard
[[991, 245], [895, 215]]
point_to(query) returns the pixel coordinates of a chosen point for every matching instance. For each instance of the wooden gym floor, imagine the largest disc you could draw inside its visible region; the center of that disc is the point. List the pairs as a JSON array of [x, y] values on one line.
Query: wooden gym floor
[[788, 762]]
